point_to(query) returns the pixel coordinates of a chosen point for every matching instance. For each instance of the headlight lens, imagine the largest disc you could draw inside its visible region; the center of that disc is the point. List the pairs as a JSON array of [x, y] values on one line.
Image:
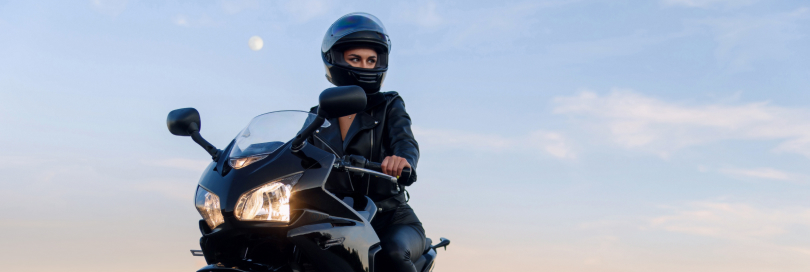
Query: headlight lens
[[269, 202], [208, 205], [238, 163]]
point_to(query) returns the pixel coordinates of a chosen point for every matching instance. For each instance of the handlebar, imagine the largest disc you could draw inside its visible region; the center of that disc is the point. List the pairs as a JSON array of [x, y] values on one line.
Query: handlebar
[[360, 164], [406, 172], [371, 172]]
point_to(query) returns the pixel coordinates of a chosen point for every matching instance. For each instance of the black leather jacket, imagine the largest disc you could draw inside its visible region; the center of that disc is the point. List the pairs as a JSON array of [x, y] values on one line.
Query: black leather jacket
[[382, 129]]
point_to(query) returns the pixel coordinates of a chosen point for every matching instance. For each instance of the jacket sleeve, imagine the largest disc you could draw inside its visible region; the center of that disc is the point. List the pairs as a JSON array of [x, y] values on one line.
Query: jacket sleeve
[[400, 136]]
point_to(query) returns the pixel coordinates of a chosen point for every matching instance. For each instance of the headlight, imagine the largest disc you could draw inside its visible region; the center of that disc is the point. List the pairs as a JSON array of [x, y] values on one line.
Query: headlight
[[269, 202], [238, 163], [208, 205]]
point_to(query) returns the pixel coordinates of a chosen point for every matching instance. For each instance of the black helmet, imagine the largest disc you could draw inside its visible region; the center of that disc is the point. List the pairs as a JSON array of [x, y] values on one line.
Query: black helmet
[[356, 30]]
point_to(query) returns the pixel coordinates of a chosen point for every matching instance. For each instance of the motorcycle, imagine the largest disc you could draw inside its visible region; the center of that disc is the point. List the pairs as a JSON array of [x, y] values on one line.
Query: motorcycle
[[264, 198]]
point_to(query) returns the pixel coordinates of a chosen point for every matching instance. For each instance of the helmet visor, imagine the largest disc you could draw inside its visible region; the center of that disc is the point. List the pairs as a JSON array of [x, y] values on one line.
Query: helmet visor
[[352, 23], [339, 56]]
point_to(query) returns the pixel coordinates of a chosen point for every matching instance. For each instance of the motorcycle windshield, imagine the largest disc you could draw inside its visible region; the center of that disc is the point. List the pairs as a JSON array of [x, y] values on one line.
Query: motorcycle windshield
[[267, 132]]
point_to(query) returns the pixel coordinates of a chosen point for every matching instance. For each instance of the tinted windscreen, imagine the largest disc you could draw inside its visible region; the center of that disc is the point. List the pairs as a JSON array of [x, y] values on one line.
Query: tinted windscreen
[[269, 131]]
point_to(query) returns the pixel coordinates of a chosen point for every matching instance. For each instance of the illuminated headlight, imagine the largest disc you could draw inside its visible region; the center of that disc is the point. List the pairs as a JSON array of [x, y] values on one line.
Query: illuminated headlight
[[238, 163], [269, 202], [208, 205]]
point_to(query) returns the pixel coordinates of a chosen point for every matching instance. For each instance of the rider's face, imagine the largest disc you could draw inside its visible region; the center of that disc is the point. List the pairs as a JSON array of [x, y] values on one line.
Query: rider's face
[[361, 57]]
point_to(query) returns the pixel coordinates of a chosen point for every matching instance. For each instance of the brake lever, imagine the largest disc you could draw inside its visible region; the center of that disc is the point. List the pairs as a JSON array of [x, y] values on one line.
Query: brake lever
[[344, 167], [370, 172]]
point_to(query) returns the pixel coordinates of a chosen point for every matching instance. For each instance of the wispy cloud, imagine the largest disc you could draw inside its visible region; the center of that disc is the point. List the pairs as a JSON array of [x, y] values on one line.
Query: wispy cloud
[[743, 40], [760, 173], [169, 188], [552, 143], [421, 13], [482, 30], [181, 20], [708, 3], [585, 51], [236, 6], [733, 221], [200, 20], [305, 10], [497, 27], [179, 163], [109, 7], [636, 121]]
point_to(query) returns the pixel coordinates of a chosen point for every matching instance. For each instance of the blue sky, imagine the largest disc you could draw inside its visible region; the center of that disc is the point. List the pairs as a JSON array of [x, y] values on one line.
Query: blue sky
[[668, 135]]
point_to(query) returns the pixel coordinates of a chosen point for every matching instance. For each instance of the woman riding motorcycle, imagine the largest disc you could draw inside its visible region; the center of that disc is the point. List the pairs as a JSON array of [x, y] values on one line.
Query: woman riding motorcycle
[[355, 52]]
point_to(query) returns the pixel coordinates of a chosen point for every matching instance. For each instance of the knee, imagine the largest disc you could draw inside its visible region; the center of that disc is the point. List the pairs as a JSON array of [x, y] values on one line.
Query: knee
[[397, 252]]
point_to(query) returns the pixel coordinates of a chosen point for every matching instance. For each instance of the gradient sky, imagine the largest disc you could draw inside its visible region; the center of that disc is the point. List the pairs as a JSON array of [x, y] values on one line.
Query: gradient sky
[[668, 135]]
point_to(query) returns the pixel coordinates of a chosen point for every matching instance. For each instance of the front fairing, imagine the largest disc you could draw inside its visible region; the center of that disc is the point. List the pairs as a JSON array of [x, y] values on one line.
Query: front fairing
[[331, 232], [229, 184], [318, 217]]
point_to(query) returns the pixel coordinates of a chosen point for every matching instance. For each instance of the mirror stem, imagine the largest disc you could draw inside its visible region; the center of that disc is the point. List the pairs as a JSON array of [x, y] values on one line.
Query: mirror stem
[[195, 135], [298, 141]]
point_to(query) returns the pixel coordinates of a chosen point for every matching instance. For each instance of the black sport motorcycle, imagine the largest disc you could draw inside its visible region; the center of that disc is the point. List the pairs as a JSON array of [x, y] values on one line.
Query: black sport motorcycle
[[264, 201]]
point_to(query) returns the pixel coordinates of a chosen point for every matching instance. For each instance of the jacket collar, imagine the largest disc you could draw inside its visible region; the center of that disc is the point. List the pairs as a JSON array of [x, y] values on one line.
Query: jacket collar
[[362, 121], [372, 100]]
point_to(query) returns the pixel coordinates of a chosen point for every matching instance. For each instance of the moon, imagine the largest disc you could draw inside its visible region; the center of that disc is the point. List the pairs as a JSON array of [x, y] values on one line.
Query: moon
[[255, 43]]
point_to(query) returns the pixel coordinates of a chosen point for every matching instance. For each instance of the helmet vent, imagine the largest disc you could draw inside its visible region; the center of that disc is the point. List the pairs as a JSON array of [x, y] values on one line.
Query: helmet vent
[[366, 77]]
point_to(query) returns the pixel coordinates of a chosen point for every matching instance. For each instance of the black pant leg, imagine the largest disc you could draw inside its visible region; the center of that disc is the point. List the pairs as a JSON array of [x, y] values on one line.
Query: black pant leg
[[402, 245], [402, 240]]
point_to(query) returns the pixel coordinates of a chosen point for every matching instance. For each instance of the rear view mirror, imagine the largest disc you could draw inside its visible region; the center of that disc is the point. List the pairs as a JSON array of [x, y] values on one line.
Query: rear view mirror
[[186, 122], [182, 122], [333, 102], [341, 101]]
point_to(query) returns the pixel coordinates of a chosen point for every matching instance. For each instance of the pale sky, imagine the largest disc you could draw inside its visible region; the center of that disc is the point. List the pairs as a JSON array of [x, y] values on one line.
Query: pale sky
[[642, 136]]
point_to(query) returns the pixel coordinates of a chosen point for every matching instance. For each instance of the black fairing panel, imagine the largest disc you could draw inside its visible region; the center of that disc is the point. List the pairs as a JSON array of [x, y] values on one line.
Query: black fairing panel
[[426, 261], [344, 241], [335, 247], [308, 196]]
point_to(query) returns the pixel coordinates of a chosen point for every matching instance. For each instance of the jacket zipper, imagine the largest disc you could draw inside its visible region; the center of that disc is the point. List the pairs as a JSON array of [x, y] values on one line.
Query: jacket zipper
[[371, 154]]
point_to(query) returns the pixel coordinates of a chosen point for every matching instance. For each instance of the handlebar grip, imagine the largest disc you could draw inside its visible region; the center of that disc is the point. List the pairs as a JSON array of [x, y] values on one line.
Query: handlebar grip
[[378, 167], [407, 178], [374, 166]]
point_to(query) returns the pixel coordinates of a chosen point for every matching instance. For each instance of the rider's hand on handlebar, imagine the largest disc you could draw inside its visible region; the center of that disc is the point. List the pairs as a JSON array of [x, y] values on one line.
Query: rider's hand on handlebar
[[393, 165]]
